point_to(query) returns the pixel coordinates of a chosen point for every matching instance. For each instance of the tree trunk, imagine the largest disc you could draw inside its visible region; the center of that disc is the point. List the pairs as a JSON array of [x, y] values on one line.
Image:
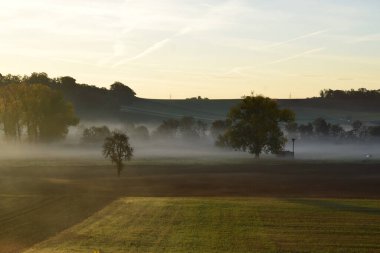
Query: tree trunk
[[119, 168]]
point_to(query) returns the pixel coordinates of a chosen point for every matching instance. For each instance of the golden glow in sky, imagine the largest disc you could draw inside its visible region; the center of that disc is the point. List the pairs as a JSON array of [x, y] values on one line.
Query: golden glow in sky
[[217, 49]]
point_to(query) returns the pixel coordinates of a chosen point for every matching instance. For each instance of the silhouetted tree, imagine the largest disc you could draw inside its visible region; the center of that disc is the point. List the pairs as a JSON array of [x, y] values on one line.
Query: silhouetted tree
[[187, 127], [374, 131], [219, 127], [167, 129], [38, 78], [117, 148], [95, 134], [336, 131], [291, 127], [360, 94], [356, 125], [122, 92], [306, 130], [141, 133], [255, 126], [67, 82], [201, 128], [321, 127]]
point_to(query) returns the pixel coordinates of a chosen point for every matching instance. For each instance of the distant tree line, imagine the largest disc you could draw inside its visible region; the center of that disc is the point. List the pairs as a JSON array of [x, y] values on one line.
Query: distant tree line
[[90, 102], [199, 98], [360, 94], [321, 129], [187, 127], [362, 99], [97, 134]]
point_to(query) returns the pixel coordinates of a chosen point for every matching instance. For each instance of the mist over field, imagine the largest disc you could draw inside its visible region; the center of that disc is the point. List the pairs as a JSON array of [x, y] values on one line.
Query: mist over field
[[197, 149], [343, 151], [189, 126]]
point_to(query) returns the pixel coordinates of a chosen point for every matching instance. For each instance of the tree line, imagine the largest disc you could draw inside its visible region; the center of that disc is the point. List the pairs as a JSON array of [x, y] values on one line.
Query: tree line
[[36, 112], [90, 101], [360, 94], [321, 129]]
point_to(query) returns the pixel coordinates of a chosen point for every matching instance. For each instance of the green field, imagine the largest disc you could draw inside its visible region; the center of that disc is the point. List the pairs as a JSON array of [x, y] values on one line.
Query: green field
[[79, 205], [224, 225]]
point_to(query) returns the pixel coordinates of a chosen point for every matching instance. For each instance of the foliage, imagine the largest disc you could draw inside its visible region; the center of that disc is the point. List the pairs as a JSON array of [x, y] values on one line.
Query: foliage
[[255, 126], [191, 128], [219, 127], [321, 127], [41, 111], [90, 101], [199, 98], [95, 134], [117, 148], [141, 133], [167, 129], [374, 131], [122, 93], [359, 94], [291, 127], [324, 130], [306, 130], [336, 131], [186, 127]]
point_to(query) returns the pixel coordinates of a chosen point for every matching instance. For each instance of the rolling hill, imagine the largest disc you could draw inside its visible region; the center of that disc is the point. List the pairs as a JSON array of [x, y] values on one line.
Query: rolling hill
[[155, 110]]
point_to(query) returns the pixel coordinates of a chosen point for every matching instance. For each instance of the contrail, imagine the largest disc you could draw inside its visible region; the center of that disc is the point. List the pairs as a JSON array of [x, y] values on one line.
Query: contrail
[[237, 70], [198, 23], [278, 44], [147, 51], [296, 56], [368, 38]]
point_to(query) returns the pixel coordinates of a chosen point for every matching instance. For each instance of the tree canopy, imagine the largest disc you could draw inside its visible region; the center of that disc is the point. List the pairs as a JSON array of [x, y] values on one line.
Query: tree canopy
[[117, 148], [37, 110], [254, 126], [93, 135], [90, 101]]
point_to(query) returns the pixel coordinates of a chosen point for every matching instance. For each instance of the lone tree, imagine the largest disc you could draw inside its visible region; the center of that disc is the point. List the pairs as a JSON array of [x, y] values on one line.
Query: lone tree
[[117, 148], [254, 126]]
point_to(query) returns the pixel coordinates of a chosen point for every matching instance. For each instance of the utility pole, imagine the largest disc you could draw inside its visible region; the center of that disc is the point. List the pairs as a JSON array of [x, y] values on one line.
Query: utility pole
[[293, 140]]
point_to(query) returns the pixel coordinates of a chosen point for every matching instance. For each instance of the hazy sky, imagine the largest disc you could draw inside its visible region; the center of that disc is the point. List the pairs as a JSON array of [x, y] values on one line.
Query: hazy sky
[[218, 49]]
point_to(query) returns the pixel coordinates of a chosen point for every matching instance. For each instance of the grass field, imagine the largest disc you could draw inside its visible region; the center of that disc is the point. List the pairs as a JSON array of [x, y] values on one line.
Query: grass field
[[42, 197], [224, 225]]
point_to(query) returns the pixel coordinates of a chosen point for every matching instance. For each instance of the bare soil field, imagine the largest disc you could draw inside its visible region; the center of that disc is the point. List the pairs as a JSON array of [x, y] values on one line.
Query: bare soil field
[[40, 198]]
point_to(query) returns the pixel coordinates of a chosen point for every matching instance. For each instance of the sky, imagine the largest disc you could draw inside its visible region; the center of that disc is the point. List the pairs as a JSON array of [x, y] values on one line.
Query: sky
[[185, 48]]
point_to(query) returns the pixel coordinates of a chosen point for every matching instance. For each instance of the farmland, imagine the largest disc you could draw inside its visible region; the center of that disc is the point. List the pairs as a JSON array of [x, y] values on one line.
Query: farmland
[[42, 197], [225, 225]]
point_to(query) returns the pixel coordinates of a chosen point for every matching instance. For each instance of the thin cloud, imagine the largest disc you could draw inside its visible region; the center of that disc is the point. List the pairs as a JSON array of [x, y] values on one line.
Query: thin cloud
[[239, 70], [279, 44], [215, 16], [297, 56], [147, 51], [368, 38]]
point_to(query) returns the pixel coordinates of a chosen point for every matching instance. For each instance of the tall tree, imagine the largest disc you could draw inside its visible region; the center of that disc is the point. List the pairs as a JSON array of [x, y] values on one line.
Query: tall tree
[[41, 111], [255, 126], [117, 148]]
